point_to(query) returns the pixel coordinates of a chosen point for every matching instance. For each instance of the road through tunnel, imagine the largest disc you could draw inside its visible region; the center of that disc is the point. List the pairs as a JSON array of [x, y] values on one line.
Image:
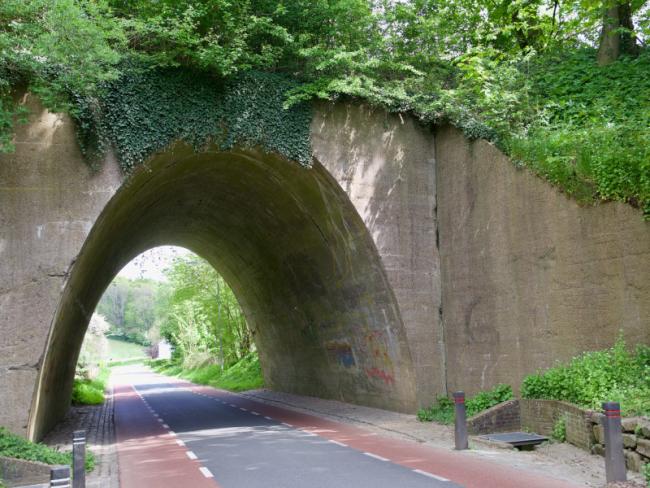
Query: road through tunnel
[[291, 246]]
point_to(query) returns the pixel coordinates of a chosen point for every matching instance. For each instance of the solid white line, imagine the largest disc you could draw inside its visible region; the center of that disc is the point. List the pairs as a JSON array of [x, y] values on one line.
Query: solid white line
[[165, 426], [338, 443], [180, 442], [206, 472], [191, 455], [430, 475], [375, 456], [288, 425]]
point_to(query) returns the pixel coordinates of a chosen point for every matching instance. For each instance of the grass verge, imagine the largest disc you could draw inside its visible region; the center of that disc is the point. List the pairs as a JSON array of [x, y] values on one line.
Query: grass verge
[[90, 391], [244, 375], [14, 446]]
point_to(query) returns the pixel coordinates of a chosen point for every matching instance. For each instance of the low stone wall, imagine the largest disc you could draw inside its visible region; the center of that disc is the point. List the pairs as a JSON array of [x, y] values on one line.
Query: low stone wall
[[14, 472], [636, 440], [583, 427], [541, 416], [504, 417]]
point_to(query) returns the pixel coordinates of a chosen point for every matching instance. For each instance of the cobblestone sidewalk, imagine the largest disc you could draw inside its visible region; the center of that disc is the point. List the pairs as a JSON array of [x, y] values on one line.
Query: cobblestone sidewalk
[[98, 422]]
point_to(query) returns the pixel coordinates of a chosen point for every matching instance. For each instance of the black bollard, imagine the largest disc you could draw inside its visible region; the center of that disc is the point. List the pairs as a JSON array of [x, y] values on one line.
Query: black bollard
[[460, 424], [60, 477], [614, 457], [79, 459]]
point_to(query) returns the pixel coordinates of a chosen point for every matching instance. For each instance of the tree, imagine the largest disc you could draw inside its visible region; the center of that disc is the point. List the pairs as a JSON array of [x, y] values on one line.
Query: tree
[[617, 36]]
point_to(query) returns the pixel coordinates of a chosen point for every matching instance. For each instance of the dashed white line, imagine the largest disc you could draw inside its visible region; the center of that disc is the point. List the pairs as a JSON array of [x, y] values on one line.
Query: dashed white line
[[159, 420], [430, 475], [206, 472], [233, 405], [338, 443], [268, 418], [288, 425], [191, 455], [165, 426], [254, 413], [243, 409], [180, 442], [375, 456], [172, 433]]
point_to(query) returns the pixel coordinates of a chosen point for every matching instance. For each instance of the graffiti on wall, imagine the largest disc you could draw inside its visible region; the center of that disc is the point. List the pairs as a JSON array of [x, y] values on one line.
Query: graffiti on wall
[[376, 345], [340, 353]]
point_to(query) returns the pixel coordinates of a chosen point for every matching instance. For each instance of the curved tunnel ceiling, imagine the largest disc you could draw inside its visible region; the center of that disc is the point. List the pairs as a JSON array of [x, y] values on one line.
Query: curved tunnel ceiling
[[294, 251]]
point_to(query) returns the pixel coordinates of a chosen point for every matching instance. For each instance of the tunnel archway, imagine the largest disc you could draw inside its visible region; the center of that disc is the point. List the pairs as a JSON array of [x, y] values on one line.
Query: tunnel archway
[[291, 246]]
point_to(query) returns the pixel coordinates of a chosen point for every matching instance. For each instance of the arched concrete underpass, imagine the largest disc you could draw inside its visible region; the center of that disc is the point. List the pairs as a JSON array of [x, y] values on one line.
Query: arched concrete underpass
[[292, 247]]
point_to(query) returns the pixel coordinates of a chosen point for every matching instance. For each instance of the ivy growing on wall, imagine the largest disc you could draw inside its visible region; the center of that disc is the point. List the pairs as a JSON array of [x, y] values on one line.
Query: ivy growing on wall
[[145, 111]]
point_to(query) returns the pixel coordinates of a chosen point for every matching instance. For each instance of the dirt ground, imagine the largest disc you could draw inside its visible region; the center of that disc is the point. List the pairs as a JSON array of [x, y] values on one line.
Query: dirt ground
[[559, 460]]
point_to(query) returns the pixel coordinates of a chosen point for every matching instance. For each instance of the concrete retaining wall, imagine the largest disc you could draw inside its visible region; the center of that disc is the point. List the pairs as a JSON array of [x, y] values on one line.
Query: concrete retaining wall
[[404, 265]]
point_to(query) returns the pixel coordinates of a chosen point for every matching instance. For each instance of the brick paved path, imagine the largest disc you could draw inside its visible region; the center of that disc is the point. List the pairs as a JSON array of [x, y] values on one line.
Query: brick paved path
[[98, 422]]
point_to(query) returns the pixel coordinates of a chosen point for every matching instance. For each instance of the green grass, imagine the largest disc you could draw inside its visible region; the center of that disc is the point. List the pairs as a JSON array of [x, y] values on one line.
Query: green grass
[[614, 374], [90, 391], [443, 410], [243, 375], [119, 350], [14, 446]]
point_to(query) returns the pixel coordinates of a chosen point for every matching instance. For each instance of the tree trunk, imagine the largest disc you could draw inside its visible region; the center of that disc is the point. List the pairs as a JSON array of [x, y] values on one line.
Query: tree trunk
[[613, 43]]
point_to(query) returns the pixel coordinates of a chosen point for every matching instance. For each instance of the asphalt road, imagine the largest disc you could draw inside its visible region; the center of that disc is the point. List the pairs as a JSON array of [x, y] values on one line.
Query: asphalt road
[[243, 448], [173, 434]]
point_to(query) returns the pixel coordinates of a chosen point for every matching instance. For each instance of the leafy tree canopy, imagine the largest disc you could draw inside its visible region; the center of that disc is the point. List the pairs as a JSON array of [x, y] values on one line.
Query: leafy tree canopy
[[547, 80]]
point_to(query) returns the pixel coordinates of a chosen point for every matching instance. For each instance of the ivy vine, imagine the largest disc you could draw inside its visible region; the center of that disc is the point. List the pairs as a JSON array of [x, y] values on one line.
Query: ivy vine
[[145, 111]]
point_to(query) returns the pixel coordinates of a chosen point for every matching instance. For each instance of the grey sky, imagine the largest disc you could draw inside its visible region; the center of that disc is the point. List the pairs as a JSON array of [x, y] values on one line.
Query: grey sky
[[151, 264]]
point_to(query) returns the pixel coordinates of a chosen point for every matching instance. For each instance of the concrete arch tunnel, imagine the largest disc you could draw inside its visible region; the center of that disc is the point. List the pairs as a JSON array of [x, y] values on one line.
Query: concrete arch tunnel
[[292, 247], [406, 263]]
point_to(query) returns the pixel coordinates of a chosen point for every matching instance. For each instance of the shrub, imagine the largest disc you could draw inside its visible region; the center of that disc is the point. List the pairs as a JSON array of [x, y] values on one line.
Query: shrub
[[594, 377], [90, 391], [443, 410], [559, 429], [646, 473], [14, 446]]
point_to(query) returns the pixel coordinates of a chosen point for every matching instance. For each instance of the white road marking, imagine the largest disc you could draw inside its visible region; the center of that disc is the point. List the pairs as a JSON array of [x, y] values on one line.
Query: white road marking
[[191, 455], [180, 442], [159, 420], [338, 443], [172, 433], [430, 475], [165, 426], [255, 413], [288, 425], [268, 418], [233, 405], [375, 456], [243, 409], [206, 472]]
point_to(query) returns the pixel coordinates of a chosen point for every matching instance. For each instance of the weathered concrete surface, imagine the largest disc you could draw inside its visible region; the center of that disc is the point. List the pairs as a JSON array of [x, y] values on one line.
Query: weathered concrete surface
[[529, 277], [386, 164], [49, 200], [337, 267]]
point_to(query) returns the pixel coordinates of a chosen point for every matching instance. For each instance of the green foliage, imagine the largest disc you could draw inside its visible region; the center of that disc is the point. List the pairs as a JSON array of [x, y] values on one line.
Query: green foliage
[[14, 446], [87, 391], [147, 110], [594, 377], [246, 374], [559, 429], [443, 410], [203, 320], [646, 473], [521, 74]]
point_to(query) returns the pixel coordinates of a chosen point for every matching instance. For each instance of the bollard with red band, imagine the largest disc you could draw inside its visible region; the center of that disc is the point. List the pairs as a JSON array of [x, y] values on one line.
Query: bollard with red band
[[460, 424], [614, 454]]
